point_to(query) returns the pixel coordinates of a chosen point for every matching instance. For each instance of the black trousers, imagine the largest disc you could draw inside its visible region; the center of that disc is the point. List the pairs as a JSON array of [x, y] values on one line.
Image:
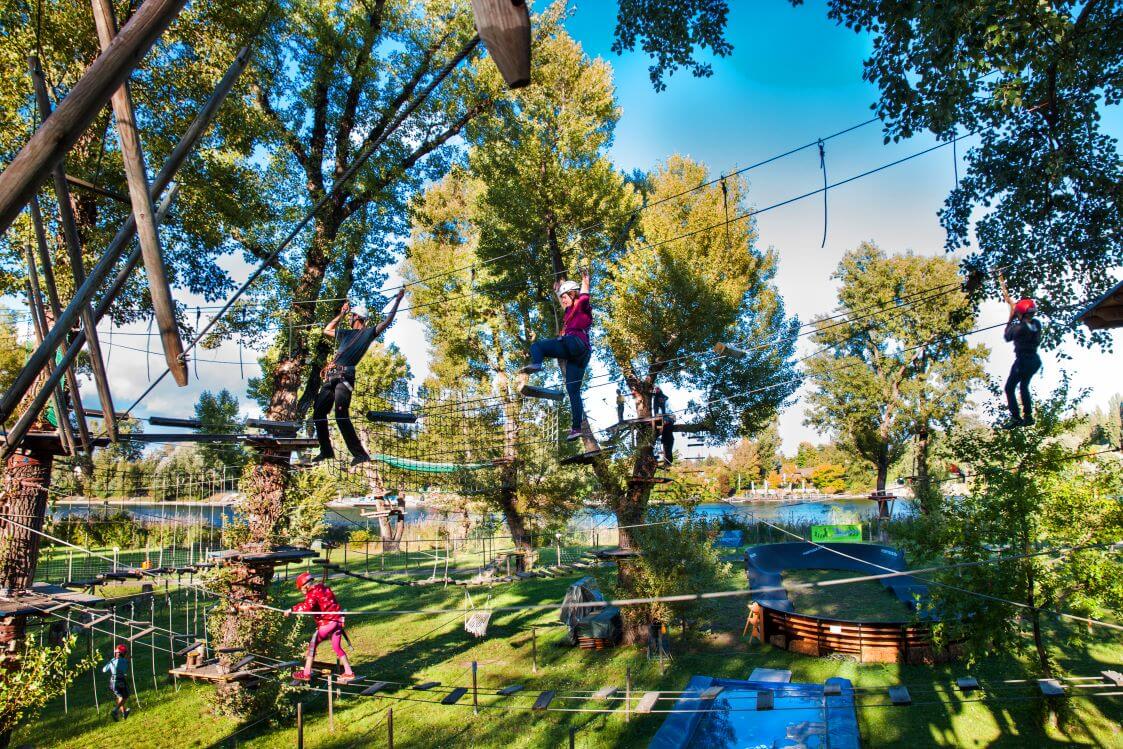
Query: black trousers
[[1025, 367], [336, 393]]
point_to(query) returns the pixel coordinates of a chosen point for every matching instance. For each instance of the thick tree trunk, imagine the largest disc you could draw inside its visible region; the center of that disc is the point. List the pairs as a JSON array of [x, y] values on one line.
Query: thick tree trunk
[[238, 626], [264, 503], [882, 472], [23, 499]]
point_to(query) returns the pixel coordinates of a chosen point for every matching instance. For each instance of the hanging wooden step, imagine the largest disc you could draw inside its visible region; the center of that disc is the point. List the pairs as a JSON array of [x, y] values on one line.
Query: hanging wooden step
[[533, 391], [583, 458], [650, 480], [454, 696]]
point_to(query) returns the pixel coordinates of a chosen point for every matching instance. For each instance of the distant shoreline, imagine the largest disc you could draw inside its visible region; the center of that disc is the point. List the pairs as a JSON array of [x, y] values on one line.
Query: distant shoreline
[[101, 502]]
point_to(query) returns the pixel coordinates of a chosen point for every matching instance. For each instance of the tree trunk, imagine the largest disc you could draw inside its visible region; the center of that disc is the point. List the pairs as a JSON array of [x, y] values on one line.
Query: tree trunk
[[264, 503], [242, 629], [23, 499], [882, 471]]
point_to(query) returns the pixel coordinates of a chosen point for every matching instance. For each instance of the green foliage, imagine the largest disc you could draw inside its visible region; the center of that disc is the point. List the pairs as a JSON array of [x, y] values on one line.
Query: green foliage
[[1034, 80], [43, 674], [13, 351], [678, 558], [218, 413], [669, 32], [1032, 489], [829, 478], [383, 374], [883, 377]]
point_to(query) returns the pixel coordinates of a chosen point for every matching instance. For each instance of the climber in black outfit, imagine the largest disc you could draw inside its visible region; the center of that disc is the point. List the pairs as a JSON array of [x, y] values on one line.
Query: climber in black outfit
[[666, 425], [339, 377], [1024, 330]]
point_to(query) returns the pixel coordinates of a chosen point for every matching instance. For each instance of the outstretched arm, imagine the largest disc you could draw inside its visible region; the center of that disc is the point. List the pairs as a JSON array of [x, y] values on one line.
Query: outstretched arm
[[585, 282], [381, 328], [329, 329], [1006, 295]]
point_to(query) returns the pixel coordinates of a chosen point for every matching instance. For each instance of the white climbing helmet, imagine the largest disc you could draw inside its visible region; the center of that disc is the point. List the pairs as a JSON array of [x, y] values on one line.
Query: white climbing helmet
[[360, 309], [567, 286]]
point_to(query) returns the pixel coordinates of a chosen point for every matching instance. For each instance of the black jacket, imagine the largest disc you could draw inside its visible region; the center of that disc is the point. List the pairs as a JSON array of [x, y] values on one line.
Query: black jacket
[[1026, 335]]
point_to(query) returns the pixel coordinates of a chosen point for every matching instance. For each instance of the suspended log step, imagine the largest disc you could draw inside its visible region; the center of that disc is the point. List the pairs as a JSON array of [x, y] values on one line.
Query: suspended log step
[[375, 688], [533, 391], [711, 693], [454, 696], [392, 417], [508, 691], [1050, 687], [170, 421], [140, 634], [425, 686], [967, 683], [647, 702], [544, 700], [899, 695], [605, 693]]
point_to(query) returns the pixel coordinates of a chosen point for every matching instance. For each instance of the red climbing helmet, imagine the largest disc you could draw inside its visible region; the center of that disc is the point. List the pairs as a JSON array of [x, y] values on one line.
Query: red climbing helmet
[[1025, 305], [121, 649], [303, 579]]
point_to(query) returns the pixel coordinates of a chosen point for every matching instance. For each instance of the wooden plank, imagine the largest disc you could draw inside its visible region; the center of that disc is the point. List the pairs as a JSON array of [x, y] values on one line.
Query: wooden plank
[[533, 391], [544, 700], [765, 700], [375, 688], [136, 174], [426, 686], [605, 693], [1113, 677], [710, 693], [509, 690], [26, 172], [967, 683], [142, 633], [243, 662], [454, 696], [647, 702], [899, 695]]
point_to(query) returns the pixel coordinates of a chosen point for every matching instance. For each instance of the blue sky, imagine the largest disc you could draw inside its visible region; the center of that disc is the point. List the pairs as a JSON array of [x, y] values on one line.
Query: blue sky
[[793, 76]]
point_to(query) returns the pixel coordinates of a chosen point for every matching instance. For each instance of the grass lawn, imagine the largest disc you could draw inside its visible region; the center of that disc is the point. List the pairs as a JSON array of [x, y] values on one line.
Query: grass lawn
[[866, 602], [413, 648]]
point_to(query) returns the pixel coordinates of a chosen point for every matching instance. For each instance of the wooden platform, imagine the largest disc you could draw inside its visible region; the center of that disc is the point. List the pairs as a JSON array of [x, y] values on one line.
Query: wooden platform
[[213, 673], [44, 599], [50, 442]]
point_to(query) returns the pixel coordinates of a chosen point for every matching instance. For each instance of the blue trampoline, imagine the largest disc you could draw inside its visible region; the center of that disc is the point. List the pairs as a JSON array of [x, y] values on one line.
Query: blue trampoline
[[802, 715]]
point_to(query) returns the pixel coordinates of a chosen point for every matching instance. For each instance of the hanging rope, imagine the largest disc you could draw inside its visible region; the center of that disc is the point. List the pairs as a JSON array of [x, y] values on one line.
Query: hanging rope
[[823, 167]]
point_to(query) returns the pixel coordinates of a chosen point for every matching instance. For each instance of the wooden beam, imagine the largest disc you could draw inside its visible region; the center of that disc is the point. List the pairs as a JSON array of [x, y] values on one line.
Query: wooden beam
[[91, 187], [163, 307], [35, 305], [73, 242], [30, 167], [37, 361], [56, 305]]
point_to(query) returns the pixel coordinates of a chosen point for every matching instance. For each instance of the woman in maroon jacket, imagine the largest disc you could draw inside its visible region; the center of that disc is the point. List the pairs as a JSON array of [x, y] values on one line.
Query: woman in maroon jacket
[[572, 348]]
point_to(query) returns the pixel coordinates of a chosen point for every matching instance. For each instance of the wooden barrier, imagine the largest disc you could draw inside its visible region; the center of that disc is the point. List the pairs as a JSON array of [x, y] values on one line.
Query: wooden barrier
[[868, 642]]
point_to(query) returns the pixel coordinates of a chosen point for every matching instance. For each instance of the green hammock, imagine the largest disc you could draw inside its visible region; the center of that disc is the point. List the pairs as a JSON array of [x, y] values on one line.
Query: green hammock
[[421, 466]]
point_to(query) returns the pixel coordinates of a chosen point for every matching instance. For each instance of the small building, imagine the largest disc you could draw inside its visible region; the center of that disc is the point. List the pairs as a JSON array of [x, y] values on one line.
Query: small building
[[1106, 312]]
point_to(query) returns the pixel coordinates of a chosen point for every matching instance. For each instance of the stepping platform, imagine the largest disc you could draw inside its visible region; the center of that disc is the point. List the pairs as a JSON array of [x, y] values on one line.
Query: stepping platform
[[1113, 677], [710, 693], [967, 683], [425, 686], [647, 702], [213, 673], [454, 696], [651, 480], [375, 688], [544, 700], [533, 391], [50, 442], [508, 691], [583, 458], [1050, 687], [899, 695], [605, 693], [765, 700], [278, 427], [143, 633], [392, 417], [617, 554]]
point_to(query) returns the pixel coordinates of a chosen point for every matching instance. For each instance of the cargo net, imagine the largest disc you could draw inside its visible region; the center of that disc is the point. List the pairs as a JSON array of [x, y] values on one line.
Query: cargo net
[[443, 442]]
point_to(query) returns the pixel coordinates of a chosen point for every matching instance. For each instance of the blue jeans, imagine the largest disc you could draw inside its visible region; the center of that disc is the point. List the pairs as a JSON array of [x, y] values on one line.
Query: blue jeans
[[573, 355]]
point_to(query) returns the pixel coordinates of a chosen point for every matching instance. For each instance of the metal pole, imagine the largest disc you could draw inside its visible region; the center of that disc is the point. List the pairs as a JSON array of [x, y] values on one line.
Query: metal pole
[[120, 243], [136, 174], [30, 167], [73, 241]]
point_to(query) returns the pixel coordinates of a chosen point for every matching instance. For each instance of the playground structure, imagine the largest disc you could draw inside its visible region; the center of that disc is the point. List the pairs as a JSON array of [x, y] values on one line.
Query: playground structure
[[773, 619]]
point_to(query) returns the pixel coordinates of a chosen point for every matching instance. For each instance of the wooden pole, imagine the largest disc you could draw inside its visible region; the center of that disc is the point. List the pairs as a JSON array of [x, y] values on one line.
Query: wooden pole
[[475, 691], [390, 727], [73, 242], [534, 649], [628, 694], [331, 704], [136, 173], [53, 298], [300, 725], [30, 167], [26, 378], [39, 323]]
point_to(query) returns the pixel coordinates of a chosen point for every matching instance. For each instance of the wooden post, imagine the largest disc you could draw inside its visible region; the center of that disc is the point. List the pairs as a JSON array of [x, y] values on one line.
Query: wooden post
[[104, 266], [26, 172], [390, 727], [475, 691], [73, 241], [534, 649], [628, 694], [331, 704], [163, 307], [300, 725], [572, 738]]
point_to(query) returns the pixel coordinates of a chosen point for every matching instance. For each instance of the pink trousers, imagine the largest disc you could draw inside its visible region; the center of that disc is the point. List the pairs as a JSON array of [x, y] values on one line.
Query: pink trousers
[[334, 630]]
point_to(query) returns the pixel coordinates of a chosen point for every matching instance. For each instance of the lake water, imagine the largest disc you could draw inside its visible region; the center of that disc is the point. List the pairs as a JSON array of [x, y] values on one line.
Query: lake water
[[817, 511]]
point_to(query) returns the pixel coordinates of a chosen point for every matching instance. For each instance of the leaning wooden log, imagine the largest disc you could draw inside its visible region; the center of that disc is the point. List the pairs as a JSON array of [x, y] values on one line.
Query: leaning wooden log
[[58, 133], [132, 154], [504, 27]]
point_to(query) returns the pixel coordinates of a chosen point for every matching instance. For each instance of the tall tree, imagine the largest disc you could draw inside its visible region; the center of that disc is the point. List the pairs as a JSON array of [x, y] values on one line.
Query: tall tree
[[1031, 489], [670, 31], [536, 176], [886, 375], [1033, 80], [218, 413]]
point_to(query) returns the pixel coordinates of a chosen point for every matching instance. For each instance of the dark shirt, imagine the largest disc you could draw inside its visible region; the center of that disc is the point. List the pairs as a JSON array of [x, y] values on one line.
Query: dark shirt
[[579, 318], [659, 402], [1026, 335], [353, 345]]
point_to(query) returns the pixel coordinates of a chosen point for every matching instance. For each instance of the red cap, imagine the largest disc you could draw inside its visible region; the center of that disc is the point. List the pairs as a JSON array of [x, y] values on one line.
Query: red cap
[[303, 579], [1025, 305], [121, 649]]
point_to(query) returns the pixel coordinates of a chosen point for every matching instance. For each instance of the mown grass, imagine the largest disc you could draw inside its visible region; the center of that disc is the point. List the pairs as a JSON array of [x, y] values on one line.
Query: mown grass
[[420, 647]]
